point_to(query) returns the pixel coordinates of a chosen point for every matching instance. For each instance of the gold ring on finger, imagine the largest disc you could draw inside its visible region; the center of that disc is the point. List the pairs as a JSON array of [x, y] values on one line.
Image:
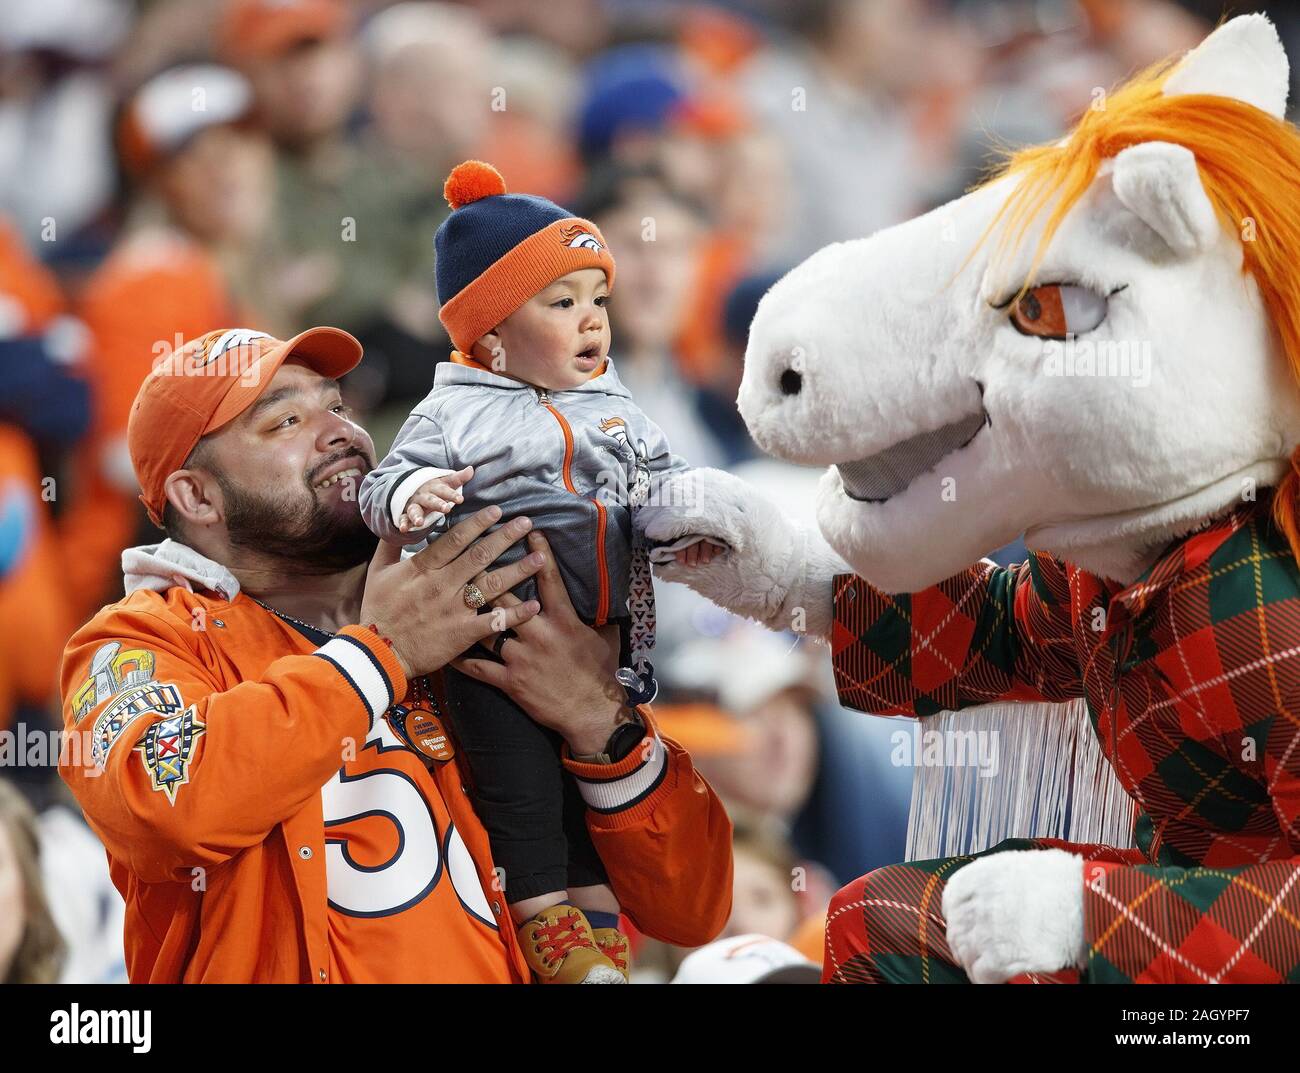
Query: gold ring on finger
[[474, 598]]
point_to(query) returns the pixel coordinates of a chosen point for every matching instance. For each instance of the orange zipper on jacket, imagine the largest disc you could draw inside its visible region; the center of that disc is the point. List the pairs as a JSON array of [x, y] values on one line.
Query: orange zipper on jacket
[[602, 601]]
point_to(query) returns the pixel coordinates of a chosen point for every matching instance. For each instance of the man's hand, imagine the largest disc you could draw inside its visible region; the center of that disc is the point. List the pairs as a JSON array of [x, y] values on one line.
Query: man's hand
[[438, 496], [557, 668], [1016, 911], [419, 604]]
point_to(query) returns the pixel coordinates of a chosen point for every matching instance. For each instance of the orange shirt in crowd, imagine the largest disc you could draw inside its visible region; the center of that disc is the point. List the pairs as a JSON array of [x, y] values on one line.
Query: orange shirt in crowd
[[28, 284], [34, 618], [701, 338]]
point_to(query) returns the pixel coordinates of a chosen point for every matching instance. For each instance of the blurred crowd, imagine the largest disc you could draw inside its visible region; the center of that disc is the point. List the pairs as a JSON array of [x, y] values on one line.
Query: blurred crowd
[[172, 166]]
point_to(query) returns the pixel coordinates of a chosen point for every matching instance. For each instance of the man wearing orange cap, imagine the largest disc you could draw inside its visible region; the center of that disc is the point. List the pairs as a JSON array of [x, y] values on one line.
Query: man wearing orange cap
[[264, 756], [259, 29], [301, 61]]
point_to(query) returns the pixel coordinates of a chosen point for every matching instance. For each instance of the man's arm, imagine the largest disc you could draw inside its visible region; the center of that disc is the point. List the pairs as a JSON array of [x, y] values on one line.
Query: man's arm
[[185, 772], [664, 837], [984, 634], [175, 772]]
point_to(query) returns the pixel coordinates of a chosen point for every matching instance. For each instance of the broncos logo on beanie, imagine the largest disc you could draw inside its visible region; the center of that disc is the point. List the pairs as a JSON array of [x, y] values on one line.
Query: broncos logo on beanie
[[578, 236]]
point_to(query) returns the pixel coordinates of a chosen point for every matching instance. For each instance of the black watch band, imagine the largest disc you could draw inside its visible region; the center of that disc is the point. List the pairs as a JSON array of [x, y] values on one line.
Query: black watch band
[[624, 739], [621, 742]]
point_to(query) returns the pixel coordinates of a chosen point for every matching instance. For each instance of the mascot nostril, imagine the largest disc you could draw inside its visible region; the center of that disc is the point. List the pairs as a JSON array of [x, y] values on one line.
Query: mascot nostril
[[791, 382]]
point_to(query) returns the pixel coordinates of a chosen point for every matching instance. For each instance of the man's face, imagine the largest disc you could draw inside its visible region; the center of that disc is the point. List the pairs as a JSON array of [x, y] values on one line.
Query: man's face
[[308, 92], [289, 469], [418, 98], [560, 336], [221, 185], [762, 899], [773, 773], [654, 277]]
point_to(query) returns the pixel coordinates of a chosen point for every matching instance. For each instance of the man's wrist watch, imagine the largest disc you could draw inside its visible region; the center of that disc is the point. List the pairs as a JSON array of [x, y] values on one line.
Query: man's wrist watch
[[621, 742]]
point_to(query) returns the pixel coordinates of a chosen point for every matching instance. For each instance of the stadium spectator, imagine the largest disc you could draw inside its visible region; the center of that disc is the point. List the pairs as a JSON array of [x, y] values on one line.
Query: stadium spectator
[[657, 237], [774, 892], [304, 64], [190, 258], [56, 152], [31, 948], [44, 409], [768, 767], [839, 95]]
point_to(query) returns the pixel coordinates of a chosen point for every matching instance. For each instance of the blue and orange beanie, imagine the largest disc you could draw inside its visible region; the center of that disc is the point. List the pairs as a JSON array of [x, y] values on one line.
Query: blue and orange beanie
[[496, 250]]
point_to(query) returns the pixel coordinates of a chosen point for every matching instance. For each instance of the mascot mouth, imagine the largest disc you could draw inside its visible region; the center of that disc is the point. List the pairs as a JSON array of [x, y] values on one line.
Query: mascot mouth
[[883, 475]]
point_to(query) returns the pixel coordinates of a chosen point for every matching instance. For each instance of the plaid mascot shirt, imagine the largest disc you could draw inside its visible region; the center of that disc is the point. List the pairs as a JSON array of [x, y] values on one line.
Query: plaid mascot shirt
[[1192, 680]]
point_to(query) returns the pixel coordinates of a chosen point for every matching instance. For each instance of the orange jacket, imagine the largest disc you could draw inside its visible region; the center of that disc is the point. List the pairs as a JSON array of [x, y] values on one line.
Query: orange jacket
[[219, 847]]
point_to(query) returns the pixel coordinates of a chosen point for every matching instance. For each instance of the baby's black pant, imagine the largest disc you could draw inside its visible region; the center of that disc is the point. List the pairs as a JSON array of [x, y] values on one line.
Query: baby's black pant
[[530, 806]]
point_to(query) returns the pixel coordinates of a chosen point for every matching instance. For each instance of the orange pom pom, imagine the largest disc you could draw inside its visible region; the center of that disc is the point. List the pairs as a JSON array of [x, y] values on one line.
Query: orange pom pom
[[470, 181]]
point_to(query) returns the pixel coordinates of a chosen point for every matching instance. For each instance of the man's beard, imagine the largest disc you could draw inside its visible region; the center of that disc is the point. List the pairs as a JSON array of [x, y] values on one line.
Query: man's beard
[[307, 536]]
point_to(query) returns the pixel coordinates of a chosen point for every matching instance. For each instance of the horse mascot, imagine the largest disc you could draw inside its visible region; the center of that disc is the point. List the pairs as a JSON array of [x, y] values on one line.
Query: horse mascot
[[1098, 349]]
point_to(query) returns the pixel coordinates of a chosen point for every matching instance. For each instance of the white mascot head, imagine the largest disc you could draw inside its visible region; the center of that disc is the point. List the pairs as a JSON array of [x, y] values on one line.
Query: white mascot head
[[1099, 349]]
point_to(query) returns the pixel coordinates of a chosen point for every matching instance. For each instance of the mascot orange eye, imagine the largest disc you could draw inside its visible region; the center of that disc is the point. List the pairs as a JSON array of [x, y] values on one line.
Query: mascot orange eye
[[1056, 310]]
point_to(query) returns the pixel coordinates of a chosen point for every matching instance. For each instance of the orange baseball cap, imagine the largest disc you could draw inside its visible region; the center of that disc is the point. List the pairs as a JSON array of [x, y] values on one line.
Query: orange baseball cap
[[261, 29], [209, 382]]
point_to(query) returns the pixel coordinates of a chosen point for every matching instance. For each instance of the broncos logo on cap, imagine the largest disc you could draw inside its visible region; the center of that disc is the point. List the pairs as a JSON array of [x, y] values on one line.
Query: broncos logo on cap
[[578, 237], [217, 343]]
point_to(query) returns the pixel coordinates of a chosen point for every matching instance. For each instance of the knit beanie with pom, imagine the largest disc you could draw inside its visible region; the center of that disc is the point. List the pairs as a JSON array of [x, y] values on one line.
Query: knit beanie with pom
[[496, 250]]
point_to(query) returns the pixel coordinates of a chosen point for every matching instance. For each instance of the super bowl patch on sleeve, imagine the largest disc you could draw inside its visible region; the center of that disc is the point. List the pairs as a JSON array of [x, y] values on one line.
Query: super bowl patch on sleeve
[[151, 698]]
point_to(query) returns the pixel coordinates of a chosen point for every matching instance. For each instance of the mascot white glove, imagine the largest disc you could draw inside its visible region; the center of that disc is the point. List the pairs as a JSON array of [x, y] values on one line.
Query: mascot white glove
[[1016, 911], [773, 571]]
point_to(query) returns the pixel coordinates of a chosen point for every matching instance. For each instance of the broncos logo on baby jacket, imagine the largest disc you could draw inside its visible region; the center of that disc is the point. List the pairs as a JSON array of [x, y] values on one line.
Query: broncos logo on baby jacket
[[615, 427]]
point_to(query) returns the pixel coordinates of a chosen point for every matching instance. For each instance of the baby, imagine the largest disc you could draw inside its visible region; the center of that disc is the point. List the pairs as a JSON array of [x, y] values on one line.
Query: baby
[[531, 409]]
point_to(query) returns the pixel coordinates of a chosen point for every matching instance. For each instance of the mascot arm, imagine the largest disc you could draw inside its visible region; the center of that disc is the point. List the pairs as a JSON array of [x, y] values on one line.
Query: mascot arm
[[989, 633], [773, 570]]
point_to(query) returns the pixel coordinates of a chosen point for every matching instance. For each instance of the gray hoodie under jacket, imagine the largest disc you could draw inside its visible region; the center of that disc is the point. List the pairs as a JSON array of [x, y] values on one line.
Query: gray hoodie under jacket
[[566, 459]]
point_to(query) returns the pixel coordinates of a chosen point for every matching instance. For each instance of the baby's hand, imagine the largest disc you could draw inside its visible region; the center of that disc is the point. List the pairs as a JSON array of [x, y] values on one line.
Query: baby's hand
[[438, 496], [698, 554]]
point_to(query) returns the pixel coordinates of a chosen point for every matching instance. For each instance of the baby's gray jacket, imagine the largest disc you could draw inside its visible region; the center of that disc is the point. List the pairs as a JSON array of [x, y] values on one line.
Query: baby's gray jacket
[[566, 459]]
